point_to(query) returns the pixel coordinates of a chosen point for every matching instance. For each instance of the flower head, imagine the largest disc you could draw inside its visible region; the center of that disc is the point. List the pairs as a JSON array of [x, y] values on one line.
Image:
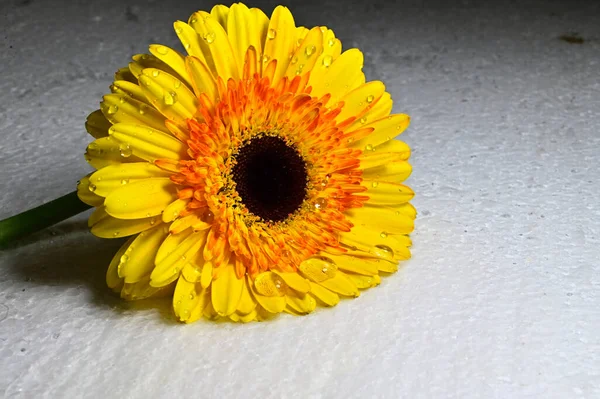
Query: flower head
[[254, 175]]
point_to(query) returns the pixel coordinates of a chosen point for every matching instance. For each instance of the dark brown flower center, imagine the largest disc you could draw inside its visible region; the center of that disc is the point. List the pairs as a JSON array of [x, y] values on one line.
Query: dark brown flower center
[[270, 177]]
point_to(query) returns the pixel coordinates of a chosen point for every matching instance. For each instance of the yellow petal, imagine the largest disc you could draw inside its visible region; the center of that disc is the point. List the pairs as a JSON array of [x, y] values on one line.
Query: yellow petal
[[139, 290], [202, 79], [165, 92], [294, 281], [125, 74], [172, 211], [199, 307], [386, 193], [120, 108], [385, 129], [318, 269], [381, 220], [394, 146], [85, 195], [375, 159], [280, 41], [138, 261], [395, 171], [226, 291], [112, 275], [341, 284], [105, 226], [140, 199], [363, 282], [106, 151], [247, 303], [147, 143], [302, 304], [215, 46], [174, 59], [143, 61], [376, 244], [249, 317], [261, 22], [131, 89], [241, 29], [305, 57], [324, 295], [173, 254], [220, 12], [189, 39], [360, 100], [337, 77], [353, 264], [97, 125], [207, 274], [269, 284], [272, 304], [112, 177]]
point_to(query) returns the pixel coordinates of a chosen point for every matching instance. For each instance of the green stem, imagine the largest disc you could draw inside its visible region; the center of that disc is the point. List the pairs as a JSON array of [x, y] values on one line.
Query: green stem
[[39, 218]]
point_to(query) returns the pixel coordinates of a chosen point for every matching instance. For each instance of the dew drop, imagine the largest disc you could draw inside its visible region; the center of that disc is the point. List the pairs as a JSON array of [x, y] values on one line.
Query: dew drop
[[331, 42], [178, 30], [350, 139], [125, 150], [92, 187], [384, 251], [369, 147], [113, 109], [272, 34], [321, 203], [327, 60], [294, 60], [124, 258], [370, 99], [374, 184], [170, 98], [175, 270], [155, 73], [177, 84], [122, 100], [162, 50], [115, 234], [186, 45], [152, 221], [207, 216], [98, 178], [383, 234], [93, 146], [265, 58], [323, 29], [209, 37], [142, 109], [192, 296], [363, 120], [310, 50]]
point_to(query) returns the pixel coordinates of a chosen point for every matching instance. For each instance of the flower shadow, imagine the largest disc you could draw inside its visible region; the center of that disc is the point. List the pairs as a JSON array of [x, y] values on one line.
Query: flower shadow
[[68, 255]]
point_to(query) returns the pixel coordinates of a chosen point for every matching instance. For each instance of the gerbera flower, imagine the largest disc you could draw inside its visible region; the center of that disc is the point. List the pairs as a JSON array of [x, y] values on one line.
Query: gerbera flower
[[255, 175]]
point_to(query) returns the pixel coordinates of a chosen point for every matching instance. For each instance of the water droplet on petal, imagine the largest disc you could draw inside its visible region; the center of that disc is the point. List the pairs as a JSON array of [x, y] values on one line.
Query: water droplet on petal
[[124, 181], [321, 203], [271, 34], [178, 30], [155, 73], [374, 184], [93, 146], [112, 109], [370, 99], [323, 29], [124, 258], [92, 187], [125, 150], [186, 45], [331, 42], [294, 60], [265, 58], [210, 37], [177, 84], [122, 100], [170, 98], [115, 234], [162, 50], [152, 221], [383, 234], [310, 50], [369, 147], [327, 60], [383, 251], [363, 120]]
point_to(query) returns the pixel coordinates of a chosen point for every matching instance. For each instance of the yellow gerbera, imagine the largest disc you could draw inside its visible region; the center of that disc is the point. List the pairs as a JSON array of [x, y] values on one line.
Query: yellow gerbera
[[255, 175]]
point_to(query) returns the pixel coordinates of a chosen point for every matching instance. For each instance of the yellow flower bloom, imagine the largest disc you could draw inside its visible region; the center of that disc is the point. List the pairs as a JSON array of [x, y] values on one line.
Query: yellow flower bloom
[[255, 175]]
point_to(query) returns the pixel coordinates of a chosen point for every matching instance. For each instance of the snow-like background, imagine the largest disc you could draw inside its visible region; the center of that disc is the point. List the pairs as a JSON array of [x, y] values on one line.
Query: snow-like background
[[501, 299]]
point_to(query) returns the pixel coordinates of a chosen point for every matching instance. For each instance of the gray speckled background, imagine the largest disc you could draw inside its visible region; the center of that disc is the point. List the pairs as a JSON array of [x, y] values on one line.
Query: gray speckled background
[[500, 300]]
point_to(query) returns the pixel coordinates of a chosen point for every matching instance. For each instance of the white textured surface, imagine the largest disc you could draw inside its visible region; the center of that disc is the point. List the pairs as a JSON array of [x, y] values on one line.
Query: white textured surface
[[500, 300]]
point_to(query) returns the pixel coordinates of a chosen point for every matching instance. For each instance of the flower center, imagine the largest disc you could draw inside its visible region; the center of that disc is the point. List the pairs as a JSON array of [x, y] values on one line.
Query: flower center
[[270, 177]]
